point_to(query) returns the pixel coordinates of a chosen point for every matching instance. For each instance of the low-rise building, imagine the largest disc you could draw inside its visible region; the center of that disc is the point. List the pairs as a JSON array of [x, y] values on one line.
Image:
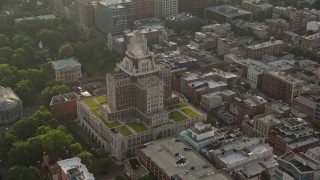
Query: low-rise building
[[314, 153], [64, 105], [276, 26], [213, 100], [307, 103], [226, 14], [227, 46], [198, 88], [134, 169], [278, 108], [261, 125], [172, 159], [313, 26], [310, 42], [285, 87], [292, 135], [235, 156], [251, 106], [256, 5], [297, 166], [10, 106], [200, 135], [70, 169], [68, 70], [272, 47]]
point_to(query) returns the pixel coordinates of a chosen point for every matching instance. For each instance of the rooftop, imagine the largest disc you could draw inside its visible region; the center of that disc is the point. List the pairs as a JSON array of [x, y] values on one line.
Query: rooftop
[[312, 37], [228, 11], [265, 44], [138, 167], [64, 98], [164, 153], [65, 63], [74, 167], [44, 17]]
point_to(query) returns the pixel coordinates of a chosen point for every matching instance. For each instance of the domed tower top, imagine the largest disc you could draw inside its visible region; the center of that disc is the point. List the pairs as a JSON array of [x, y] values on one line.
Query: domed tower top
[[138, 59]]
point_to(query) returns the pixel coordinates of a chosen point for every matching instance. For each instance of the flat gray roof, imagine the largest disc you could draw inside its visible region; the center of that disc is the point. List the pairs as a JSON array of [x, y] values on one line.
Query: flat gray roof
[[163, 152]]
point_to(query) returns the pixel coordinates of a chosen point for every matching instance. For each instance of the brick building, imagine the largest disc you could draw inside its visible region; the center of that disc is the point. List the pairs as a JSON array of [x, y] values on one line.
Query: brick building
[[292, 135], [195, 7], [272, 47], [310, 42], [307, 103], [276, 26], [251, 106], [297, 18], [143, 9], [64, 105], [284, 87], [134, 169]]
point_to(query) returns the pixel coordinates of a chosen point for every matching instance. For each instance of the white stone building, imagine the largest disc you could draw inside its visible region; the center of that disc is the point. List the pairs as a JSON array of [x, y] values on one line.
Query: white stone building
[[68, 70]]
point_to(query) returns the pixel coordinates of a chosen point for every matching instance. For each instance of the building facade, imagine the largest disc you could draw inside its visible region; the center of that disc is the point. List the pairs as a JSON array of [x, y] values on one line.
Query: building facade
[[272, 47], [114, 17], [68, 70], [196, 7], [285, 87], [165, 8], [137, 110], [69, 169], [143, 9], [256, 5]]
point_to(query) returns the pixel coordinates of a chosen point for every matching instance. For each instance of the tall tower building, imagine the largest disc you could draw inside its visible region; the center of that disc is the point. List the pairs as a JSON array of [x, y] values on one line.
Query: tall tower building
[[165, 8], [143, 9], [139, 106], [139, 88], [115, 16], [85, 15]]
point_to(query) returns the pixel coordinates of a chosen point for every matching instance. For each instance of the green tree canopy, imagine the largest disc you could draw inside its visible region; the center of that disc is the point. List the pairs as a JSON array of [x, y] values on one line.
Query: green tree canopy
[[53, 88], [22, 173], [4, 41], [66, 51], [20, 39], [85, 157], [26, 91]]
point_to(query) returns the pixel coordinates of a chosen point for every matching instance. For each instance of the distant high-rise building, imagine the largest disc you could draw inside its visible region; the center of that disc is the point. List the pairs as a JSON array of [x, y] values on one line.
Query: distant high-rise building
[[196, 7], [143, 9], [114, 16], [85, 15], [165, 8]]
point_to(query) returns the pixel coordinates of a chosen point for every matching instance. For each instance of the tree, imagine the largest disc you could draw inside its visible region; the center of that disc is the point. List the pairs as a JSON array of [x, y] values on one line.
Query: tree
[[25, 89], [6, 141], [19, 58], [55, 140], [85, 157], [75, 149], [20, 39], [4, 41], [66, 51], [5, 55], [51, 38], [55, 88], [22, 173]]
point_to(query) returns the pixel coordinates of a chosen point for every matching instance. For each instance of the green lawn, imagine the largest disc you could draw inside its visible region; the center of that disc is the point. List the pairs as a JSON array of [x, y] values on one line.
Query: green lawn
[[124, 130], [190, 112], [102, 99], [95, 111], [181, 105], [177, 116], [138, 127], [91, 103]]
